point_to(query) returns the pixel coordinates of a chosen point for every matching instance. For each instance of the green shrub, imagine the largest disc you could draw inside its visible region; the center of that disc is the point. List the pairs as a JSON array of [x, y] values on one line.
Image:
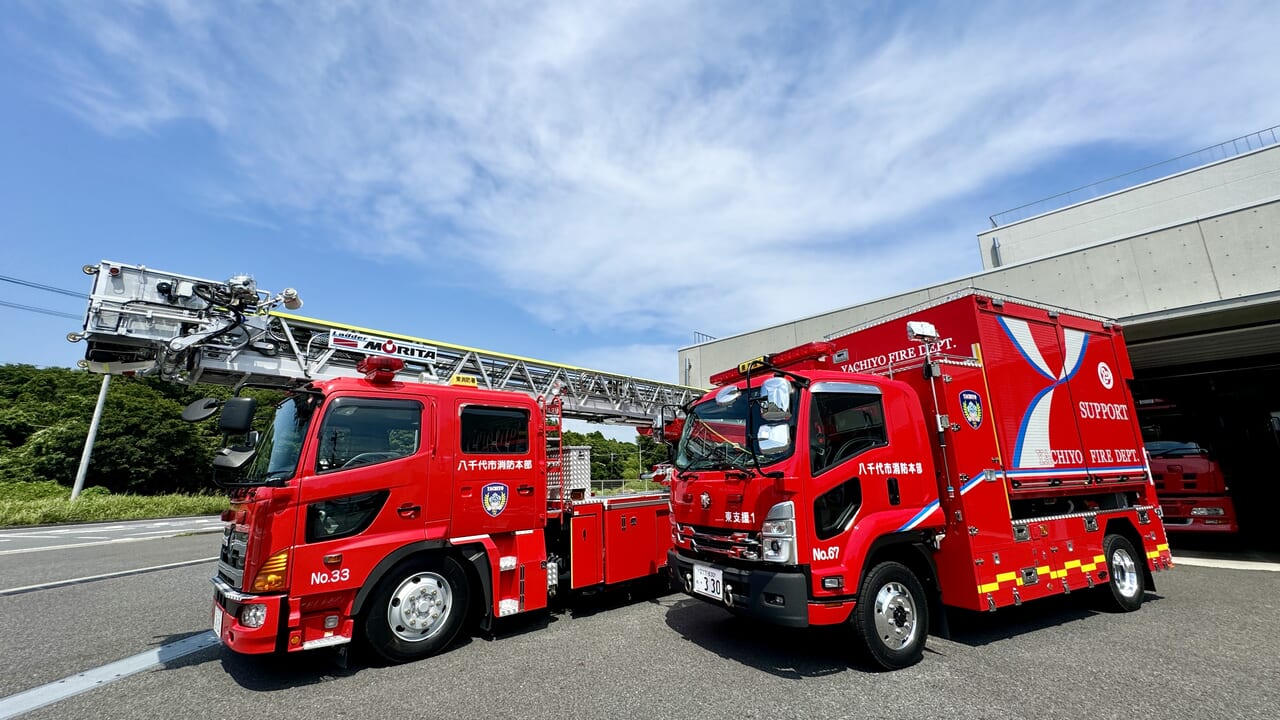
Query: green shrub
[[35, 490]]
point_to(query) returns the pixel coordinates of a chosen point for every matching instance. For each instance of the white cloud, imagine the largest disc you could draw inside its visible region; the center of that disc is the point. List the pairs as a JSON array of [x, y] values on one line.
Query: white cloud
[[690, 166]]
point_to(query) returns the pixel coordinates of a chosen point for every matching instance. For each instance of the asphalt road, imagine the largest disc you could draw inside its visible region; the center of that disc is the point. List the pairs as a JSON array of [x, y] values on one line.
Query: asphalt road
[[20, 540], [1204, 646]]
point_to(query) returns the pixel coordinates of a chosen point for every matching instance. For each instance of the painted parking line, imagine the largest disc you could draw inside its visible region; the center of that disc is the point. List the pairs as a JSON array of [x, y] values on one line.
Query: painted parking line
[[35, 698], [104, 576]]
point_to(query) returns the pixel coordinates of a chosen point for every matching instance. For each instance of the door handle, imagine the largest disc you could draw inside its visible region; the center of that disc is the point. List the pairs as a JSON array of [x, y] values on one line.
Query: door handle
[[525, 490], [408, 511]]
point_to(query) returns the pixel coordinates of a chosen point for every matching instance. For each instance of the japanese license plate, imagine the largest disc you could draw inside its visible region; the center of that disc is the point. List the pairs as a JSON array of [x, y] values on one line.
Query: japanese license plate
[[708, 581], [217, 621]]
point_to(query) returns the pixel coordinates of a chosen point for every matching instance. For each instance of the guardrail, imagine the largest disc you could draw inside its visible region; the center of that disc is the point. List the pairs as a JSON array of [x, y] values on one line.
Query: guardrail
[[1182, 163]]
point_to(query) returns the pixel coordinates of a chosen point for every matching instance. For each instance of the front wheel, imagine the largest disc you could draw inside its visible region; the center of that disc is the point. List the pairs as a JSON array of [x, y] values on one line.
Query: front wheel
[[1126, 581], [417, 608], [892, 616]]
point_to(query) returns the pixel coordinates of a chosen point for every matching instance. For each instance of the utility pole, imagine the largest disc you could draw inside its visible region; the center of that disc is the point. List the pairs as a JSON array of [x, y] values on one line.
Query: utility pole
[[88, 441]]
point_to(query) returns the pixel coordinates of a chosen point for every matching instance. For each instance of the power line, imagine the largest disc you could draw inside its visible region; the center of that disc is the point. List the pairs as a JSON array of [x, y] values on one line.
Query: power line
[[46, 311], [38, 286]]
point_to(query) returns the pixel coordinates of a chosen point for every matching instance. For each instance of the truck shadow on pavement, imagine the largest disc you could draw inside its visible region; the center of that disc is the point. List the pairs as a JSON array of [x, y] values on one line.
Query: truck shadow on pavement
[[797, 653], [267, 673], [792, 653], [976, 629]]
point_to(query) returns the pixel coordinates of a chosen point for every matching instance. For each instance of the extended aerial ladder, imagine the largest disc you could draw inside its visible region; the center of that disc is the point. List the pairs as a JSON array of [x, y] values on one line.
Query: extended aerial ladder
[[191, 330]]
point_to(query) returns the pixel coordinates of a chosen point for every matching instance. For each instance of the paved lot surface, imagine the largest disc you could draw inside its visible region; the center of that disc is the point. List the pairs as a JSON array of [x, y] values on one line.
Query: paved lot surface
[[1204, 646]]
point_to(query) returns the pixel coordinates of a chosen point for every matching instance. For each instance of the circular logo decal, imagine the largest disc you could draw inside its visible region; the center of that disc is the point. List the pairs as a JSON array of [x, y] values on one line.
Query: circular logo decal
[[1105, 376], [971, 408], [389, 347]]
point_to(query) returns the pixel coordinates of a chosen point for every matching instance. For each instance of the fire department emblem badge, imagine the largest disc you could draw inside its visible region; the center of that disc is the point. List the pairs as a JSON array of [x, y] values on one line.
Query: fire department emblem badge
[[494, 498], [706, 500], [971, 408]]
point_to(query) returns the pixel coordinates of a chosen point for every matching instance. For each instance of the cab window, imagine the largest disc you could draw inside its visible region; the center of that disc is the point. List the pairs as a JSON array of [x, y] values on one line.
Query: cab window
[[366, 431], [494, 431], [844, 425]]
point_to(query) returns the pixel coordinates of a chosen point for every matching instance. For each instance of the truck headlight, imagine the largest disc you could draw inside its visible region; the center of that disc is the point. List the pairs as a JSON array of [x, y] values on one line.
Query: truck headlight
[[252, 616], [778, 534], [1208, 511]]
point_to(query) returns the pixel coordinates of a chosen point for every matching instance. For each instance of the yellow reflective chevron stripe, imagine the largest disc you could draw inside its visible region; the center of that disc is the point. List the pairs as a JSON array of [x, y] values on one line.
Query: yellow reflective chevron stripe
[[1015, 578], [1001, 578]]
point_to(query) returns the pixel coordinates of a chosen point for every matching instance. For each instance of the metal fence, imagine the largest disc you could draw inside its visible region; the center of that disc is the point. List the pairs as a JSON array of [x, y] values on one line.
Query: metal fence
[[1182, 163]]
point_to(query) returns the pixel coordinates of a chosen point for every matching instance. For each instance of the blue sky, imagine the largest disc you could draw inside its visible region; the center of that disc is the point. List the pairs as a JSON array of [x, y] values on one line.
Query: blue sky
[[583, 182]]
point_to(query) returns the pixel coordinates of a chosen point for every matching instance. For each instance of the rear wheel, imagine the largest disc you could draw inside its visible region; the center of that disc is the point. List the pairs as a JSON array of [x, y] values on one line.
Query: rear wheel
[[892, 616], [417, 608], [1127, 584]]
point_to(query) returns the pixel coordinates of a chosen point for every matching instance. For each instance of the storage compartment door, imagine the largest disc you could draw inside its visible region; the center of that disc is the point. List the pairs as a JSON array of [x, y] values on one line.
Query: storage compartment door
[[586, 549]]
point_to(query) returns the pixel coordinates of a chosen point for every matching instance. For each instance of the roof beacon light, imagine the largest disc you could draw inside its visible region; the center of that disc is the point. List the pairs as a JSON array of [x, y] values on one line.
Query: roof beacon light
[[802, 353], [380, 370]]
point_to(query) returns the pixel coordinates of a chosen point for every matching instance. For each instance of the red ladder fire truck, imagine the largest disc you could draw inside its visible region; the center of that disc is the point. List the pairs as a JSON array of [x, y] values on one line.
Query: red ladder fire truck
[[974, 453], [403, 486]]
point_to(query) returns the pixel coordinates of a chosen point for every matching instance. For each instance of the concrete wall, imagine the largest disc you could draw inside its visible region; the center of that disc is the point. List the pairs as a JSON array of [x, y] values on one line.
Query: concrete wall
[[1206, 190], [1227, 258]]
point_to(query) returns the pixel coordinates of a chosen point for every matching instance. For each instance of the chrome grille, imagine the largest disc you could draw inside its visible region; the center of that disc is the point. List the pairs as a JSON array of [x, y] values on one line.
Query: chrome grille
[[719, 541], [235, 546]]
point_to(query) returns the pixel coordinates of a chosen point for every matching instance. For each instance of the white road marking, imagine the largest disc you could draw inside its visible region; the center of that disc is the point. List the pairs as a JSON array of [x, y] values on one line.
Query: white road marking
[[92, 537], [21, 551], [1227, 564], [108, 527], [35, 698], [104, 576]]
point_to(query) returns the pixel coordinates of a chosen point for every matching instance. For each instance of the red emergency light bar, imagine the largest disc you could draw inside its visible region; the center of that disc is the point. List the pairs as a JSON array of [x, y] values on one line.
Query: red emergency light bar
[[794, 356], [380, 369]]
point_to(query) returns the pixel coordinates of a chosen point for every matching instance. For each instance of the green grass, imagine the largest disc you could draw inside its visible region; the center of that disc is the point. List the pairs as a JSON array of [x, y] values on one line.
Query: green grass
[[40, 503]]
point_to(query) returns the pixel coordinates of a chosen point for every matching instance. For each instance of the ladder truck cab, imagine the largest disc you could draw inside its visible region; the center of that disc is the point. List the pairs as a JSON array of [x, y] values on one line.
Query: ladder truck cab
[[974, 453], [403, 486]]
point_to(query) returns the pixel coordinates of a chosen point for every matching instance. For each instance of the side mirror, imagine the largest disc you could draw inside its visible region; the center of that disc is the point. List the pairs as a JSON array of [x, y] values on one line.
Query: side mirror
[[233, 458], [773, 439], [728, 395], [237, 415], [201, 409], [775, 400]]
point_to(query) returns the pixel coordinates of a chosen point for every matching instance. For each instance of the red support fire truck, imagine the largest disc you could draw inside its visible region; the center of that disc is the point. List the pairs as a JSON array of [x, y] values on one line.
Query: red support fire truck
[[975, 453], [403, 485]]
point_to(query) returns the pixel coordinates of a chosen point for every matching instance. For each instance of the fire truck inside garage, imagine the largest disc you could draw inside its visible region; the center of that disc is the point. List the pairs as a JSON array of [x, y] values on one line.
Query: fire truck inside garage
[[1210, 401]]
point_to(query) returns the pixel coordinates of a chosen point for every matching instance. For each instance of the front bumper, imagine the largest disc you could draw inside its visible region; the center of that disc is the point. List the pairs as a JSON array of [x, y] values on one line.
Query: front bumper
[[227, 603], [778, 597]]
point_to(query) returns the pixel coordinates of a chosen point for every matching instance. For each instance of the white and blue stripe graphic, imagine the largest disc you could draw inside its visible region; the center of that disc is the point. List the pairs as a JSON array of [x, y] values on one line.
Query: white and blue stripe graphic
[[932, 507], [1033, 448]]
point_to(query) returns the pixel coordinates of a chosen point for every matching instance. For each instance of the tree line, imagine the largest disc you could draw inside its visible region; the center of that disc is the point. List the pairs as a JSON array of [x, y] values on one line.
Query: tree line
[[143, 445]]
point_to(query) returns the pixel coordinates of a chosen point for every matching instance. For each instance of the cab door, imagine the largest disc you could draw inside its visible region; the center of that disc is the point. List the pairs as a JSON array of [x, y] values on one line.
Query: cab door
[[499, 480], [362, 490]]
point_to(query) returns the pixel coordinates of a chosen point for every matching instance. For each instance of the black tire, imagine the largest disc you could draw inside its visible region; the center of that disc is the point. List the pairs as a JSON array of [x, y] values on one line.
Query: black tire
[[417, 608], [1126, 582], [892, 616]]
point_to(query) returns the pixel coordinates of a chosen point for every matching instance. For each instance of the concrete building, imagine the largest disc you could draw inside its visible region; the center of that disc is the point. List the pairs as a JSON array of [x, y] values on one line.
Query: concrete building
[[1188, 262]]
